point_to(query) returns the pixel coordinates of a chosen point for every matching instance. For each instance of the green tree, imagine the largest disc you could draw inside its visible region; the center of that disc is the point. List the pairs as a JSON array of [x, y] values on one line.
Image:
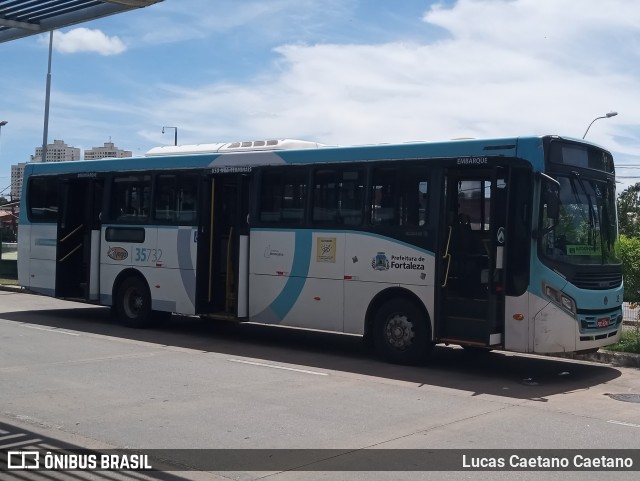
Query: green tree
[[629, 211], [3, 200], [629, 251]]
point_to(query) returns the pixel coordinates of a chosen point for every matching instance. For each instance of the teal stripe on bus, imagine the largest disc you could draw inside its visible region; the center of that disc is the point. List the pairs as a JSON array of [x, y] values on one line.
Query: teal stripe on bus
[[284, 302]]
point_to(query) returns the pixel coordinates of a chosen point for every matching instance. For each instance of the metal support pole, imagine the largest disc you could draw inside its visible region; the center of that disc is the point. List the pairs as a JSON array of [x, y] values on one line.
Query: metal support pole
[[47, 98], [2, 124]]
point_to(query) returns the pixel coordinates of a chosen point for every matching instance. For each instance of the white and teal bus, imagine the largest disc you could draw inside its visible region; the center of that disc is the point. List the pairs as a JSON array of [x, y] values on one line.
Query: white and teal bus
[[489, 244]]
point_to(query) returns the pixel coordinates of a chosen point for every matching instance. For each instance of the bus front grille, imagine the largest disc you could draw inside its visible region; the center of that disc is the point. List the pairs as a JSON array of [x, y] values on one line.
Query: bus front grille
[[600, 281]]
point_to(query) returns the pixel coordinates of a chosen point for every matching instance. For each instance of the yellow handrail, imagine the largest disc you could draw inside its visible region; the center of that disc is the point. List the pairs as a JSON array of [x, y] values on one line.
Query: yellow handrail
[[447, 256], [230, 281], [65, 257], [72, 232], [211, 231]]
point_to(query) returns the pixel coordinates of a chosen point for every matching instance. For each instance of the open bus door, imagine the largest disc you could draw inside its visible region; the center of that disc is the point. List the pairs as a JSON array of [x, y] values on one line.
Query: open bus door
[[473, 245], [223, 246], [78, 238]]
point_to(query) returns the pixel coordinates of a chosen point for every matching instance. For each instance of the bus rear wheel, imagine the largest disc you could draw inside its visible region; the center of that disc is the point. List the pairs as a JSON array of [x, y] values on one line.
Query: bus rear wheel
[[133, 302], [401, 334]]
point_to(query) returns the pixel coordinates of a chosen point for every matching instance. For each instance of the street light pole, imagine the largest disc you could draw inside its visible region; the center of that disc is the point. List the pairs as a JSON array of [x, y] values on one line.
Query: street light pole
[[2, 124], [605, 116], [47, 98], [175, 137]]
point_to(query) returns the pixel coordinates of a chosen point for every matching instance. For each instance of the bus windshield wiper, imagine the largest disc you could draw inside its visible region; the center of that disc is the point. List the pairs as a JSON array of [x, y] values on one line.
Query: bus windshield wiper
[[576, 195], [580, 203]]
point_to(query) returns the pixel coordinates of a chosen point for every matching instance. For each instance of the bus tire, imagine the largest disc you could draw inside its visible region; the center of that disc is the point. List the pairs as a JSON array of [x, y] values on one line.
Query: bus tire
[[401, 334], [133, 302]]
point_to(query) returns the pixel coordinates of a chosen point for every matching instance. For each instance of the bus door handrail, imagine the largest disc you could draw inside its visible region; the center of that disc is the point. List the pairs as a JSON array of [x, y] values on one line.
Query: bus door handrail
[[447, 256], [71, 233], [71, 252], [230, 294]]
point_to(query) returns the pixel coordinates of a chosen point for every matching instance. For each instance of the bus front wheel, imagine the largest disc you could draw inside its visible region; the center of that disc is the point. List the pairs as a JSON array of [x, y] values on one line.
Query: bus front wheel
[[133, 302], [401, 332]]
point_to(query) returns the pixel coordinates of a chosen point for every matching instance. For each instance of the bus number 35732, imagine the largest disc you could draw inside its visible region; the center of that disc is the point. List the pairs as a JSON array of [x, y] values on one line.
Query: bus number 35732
[[142, 254]]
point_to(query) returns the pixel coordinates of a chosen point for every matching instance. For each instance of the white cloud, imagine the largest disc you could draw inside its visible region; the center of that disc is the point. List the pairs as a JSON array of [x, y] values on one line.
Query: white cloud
[[87, 40], [503, 68], [265, 21]]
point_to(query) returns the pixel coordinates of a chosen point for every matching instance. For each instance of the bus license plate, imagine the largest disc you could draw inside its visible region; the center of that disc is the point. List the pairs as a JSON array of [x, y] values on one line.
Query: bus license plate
[[604, 322]]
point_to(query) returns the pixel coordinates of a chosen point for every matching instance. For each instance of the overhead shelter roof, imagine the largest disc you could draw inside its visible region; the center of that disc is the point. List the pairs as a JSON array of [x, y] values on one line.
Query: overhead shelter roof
[[21, 18]]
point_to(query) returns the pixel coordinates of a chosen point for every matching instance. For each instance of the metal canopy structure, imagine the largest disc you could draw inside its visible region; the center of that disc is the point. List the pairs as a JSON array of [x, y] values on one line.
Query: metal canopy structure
[[21, 18]]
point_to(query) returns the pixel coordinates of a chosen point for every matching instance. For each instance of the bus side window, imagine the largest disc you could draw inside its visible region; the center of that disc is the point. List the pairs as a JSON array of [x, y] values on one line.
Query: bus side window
[[399, 196], [423, 202], [414, 197], [186, 194], [42, 200], [384, 193], [165, 208], [282, 196], [175, 198], [338, 196], [131, 198]]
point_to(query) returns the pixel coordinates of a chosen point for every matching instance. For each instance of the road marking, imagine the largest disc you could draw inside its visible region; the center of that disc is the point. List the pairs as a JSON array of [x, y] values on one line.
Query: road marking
[[315, 373], [624, 424], [10, 436], [27, 442], [52, 330]]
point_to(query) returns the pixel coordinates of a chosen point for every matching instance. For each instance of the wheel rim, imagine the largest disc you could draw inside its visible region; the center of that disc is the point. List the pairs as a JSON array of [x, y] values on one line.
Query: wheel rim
[[399, 332], [133, 302]]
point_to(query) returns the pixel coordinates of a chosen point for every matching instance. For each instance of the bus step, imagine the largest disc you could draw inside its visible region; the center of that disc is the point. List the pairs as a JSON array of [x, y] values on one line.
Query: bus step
[[468, 308], [466, 319], [77, 299], [221, 316], [466, 328]]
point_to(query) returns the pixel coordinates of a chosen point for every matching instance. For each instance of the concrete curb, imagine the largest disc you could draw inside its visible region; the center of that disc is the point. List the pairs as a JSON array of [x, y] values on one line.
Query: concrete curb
[[615, 358], [10, 288]]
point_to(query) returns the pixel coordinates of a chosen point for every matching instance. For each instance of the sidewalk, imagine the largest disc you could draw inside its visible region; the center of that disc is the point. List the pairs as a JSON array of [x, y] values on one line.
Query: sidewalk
[[615, 358]]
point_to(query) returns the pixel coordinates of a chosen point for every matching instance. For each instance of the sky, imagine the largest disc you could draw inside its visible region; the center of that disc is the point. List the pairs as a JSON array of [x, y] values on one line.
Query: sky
[[340, 72]]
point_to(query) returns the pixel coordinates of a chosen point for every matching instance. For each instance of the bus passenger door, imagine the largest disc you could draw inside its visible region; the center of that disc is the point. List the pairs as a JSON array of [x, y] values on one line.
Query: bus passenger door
[[78, 250], [223, 246], [470, 304]]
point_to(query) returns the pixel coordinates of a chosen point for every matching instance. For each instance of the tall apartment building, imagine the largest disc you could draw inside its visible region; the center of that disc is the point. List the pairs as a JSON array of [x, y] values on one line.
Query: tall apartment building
[[17, 172], [57, 152], [108, 151]]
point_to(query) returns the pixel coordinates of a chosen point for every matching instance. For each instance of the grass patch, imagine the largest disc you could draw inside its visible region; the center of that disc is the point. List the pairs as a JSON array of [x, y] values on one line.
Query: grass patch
[[8, 282], [629, 341]]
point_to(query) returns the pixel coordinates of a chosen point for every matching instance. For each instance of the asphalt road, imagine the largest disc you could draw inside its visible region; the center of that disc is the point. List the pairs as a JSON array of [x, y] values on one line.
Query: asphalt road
[[70, 374]]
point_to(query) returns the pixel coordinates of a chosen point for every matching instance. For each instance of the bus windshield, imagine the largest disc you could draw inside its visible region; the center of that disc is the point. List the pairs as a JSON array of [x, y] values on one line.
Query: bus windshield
[[582, 230]]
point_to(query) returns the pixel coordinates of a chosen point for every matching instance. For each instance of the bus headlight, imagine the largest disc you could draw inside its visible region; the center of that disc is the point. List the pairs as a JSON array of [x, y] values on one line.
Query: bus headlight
[[559, 298], [568, 303]]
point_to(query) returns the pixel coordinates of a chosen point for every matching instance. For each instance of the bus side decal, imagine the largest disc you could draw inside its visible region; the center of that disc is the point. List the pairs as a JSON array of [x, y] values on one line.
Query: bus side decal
[[185, 263], [282, 304]]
